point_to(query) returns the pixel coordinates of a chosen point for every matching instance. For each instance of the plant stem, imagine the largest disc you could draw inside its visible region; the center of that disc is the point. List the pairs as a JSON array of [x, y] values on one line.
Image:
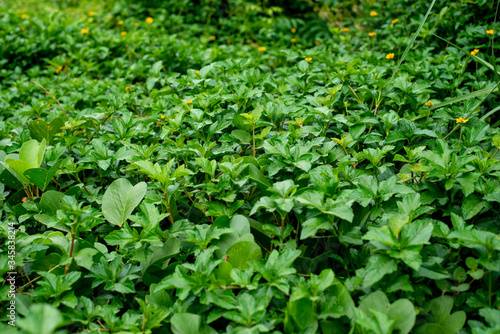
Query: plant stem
[[168, 208], [460, 75], [253, 136], [73, 235]]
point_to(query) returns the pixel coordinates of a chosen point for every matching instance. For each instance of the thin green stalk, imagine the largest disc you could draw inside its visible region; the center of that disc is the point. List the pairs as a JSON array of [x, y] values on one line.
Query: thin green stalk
[[460, 75], [472, 110]]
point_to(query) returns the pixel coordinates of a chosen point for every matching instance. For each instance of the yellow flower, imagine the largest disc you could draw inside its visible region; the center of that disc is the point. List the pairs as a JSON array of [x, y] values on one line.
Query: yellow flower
[[123, 33], [149, 20], [373, 13], [293, 40], [162, 116], [389, 56], [24, 16], [59, 69], [293, 30], [189, 102], [490, 31], [91, 13], [345, 29], [197, 71], [21, 28], [120, 22], [212, 38], [394, 21], [317, 43], [128, 89], [229, 41], [135, 24], [84, 31], [460, 64], [308, 59], [461, 120], [262, 48], [474, 52], [372, 34], [429, 104]]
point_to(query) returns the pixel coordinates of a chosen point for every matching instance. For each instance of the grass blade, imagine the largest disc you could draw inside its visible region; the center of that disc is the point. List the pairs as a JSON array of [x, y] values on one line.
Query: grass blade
[[465, 97], [480, 60], [472, 110], [408, 47], [491, 112]]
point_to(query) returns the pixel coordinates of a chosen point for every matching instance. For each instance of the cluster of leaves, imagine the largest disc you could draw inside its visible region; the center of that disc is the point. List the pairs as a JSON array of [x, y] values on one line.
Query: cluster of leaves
[[248, 167]]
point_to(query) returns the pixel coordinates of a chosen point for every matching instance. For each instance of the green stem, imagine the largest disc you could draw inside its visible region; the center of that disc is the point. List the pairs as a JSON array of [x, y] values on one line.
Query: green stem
[[73, 235], [460, 75], [168, 208]]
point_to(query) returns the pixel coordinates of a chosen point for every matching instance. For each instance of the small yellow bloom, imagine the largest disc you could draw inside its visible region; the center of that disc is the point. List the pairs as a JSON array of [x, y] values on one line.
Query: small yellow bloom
[[120, 22], [21, 28], [212, 38], [394, 21], [373, 13], [189, 102], [59, 69], [24, 16], [317, 43], [149, 20], [490, 31], [345, 29], [429, 104], [293, 40], [128, 89], [293, 30], [389, 56], [460, 65], [123, 33], [229, 41], [308, 59], [474, 52], [162, 116], [135, 24], [372, 34], [92, 13], [262, 48], [197, 71], [461, 120], [84, 31]]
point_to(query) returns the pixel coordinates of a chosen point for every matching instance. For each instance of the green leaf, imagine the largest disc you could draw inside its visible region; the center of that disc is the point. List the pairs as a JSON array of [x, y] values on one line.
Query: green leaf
[[243, 136], [41, 177], [156, 68], [376, 301], [397, 222], [41, 319], [10, 180], [186, 323], [378, 267], [150, 83], [243, 252], [472, 206], [32, 153], [403, 313], [40, 130], [311, 226], [302, 313], [120, 199], [51, 201]]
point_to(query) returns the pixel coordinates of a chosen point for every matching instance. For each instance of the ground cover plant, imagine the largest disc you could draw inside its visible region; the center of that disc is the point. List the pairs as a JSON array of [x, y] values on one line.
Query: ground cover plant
[[249, 166]]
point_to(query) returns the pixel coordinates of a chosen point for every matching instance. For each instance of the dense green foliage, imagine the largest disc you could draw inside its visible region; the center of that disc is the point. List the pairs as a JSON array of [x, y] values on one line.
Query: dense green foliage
[[250, 166]]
